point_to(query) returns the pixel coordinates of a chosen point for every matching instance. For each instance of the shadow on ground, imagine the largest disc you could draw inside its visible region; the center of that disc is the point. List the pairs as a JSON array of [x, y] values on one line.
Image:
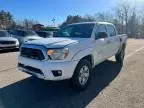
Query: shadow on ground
[[34, 93], [8, 51]]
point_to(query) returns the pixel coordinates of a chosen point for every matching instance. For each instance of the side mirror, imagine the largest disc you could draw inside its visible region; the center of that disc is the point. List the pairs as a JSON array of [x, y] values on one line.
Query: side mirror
[[101, 35]]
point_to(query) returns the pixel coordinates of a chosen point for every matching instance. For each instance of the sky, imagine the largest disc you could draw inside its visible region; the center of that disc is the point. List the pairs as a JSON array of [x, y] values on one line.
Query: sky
[[45, 10]]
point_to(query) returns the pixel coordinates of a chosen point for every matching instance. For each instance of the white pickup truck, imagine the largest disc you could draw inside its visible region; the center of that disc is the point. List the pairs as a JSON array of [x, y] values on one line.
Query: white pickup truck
[[72, 53]]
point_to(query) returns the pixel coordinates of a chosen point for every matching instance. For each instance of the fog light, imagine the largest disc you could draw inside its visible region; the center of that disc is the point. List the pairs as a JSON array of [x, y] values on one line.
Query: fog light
[[57, 73]]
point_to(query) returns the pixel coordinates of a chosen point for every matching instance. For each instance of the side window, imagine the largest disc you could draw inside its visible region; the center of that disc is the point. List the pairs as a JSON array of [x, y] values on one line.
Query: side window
[[101, 28], [111, 30]]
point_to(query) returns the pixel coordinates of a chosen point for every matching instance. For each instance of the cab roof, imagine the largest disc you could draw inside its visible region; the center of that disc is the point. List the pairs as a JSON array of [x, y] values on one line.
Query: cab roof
[[106, 23]]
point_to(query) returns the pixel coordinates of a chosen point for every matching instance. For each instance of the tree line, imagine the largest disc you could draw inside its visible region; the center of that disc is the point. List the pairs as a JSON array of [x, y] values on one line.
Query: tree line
[[7, 21]]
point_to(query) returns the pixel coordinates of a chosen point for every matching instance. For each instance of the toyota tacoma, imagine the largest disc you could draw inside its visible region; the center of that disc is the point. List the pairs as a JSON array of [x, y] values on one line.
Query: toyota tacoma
[[73, 52]]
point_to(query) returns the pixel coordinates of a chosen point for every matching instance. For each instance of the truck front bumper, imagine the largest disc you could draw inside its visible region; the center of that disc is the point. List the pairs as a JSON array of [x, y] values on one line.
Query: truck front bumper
[[2, 47], [47, 70]]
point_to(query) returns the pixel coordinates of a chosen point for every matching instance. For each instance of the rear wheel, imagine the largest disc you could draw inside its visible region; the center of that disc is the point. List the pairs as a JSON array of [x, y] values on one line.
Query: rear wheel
[[81, 77], [120, 56]]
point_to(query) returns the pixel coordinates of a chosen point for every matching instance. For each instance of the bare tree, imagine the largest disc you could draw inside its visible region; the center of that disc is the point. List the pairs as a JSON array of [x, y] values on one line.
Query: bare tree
[[88, 18], [28, 23], [123, 12], [141, 28], [6, 19], [104, 16]]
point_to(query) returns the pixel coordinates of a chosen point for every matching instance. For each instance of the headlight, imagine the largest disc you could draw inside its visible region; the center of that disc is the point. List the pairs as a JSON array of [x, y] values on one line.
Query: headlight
[[17, 42], [58, 54]]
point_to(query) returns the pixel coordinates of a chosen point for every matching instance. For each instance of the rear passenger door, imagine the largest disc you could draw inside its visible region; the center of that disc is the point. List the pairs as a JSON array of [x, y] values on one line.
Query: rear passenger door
[[113, 40]]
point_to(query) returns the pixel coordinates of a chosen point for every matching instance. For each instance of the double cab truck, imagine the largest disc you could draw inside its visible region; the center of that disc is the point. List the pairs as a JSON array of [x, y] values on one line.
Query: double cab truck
[[73, 52]]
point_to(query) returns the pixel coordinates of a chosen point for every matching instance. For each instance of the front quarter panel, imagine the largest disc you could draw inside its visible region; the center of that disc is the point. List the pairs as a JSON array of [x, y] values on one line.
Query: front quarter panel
[[82, 53], [81, 50]]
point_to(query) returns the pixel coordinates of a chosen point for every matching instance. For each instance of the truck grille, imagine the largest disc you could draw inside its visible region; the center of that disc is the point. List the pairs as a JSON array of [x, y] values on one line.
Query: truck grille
[[7, 42], [29, 68], [36, 54]]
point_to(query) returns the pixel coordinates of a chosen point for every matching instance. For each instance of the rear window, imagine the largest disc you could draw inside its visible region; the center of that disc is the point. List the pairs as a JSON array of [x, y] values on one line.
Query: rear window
[[30, 33], [111, 30]]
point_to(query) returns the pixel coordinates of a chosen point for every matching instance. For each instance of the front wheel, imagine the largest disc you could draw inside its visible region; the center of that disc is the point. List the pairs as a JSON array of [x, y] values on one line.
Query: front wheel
[[120, 56], [81, 77]]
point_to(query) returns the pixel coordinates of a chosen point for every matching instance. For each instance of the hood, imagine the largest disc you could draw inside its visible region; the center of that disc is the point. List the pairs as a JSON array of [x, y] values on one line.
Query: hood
[[56, 42], [33, 37], [7, 39]]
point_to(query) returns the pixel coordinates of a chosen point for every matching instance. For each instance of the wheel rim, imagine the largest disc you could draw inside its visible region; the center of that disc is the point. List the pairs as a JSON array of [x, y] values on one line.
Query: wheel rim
[[84, 75]]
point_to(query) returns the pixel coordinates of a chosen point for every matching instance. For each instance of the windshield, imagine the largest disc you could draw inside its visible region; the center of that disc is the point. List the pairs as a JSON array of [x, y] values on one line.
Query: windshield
[[30, 33], [45, 34], [3, 34], [23, 33], [78, 31]]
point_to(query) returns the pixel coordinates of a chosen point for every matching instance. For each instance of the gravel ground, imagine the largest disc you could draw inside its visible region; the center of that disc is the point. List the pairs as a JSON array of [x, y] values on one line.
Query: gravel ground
[[112, 86]]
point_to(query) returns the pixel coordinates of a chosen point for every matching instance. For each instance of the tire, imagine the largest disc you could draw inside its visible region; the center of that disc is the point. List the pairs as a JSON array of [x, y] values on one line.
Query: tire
[[82, 74], [120, 56]]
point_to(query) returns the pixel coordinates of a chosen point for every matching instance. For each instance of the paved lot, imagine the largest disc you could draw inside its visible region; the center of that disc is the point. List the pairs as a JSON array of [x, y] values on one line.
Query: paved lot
[[113, 86]]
